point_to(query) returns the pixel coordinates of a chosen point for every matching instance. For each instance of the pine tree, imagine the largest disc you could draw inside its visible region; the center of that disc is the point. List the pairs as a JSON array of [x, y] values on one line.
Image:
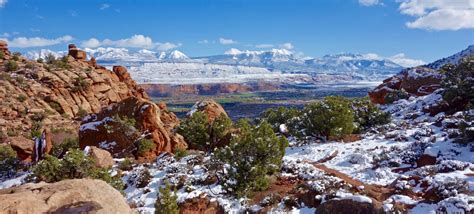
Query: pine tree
[[166, 202]]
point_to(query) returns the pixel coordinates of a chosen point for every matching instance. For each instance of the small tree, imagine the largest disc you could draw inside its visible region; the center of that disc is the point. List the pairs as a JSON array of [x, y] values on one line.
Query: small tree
[[330, 117], [219, 129], [253, 153], [59, 150], [195, 129], [367, 114], [459, 83], [11, 65], [166, 202], [145, 145], [279, 116]]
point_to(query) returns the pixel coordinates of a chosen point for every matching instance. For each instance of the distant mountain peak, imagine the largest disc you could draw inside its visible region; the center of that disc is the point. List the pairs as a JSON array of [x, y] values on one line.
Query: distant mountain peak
[[453, 59]]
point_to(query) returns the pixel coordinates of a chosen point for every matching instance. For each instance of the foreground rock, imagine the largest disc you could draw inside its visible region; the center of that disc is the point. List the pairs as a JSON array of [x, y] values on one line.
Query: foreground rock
[[120, 127], [209, 107], [68, 196], [102, 158], [347, 205], [417, 81]]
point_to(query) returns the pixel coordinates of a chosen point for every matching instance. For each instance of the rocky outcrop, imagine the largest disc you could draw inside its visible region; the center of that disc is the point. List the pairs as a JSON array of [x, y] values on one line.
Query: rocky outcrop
[[209, 107], [101, 158], [4, 48], [76, 53], [58, 92], [200, 205], [348, 205], [22, 146], [120, 127], [417, 81], [68, 196]]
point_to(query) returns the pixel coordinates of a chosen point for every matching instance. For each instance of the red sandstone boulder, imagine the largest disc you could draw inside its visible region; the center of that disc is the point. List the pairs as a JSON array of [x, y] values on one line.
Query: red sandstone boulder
[[4, 47], [425, 160], [417, 81], [102, 158], [22, 146], [210, 107], [76, 53], [125, 77], [200, 205], [343, 206], [119, 128]]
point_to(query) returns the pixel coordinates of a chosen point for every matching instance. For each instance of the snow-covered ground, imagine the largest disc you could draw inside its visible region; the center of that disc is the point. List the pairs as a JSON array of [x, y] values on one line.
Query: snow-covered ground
[[373, 160]]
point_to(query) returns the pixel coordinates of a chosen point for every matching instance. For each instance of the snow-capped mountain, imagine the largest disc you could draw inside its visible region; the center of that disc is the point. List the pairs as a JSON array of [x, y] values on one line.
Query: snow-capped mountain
[[43, 53], [179, 67], [453, 59]]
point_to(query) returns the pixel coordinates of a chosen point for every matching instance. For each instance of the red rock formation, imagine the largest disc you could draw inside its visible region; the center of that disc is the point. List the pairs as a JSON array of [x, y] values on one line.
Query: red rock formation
[[4, 47], [76, 53], [425, 160], [105, 131], [22, 146], [200, 205], [59, 94], [210, 107], [416, 81]]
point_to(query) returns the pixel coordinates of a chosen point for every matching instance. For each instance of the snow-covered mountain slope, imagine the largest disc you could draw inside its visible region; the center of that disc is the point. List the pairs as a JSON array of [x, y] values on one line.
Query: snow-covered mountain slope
[[453, 59], [196, 73], [43, 53]]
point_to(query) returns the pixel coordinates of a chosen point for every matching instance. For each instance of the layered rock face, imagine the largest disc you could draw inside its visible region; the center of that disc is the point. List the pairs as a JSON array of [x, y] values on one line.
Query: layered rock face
[[415, 81], [56, 92], [68, 196], [120, 127]]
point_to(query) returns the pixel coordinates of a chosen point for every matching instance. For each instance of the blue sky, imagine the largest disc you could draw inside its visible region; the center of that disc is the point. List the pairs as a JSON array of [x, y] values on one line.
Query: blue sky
[[420, 30]]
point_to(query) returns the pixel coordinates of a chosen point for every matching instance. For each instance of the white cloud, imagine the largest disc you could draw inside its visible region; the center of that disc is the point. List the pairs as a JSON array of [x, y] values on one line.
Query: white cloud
[[5, 35], [369, 2], [264, 46], [91, 43], [166, 46], [136, 41], [404, 61], [24, 42], [203, 41], [104, 6], [226, 41], [73, 13], [439, 14], [2, 3], [287, 46]]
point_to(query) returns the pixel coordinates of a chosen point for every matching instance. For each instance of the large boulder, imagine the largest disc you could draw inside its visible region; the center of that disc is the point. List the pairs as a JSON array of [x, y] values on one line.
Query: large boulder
[[101, 158], [22, 146], [209, 107], [343, 206], [200, 205], [119, 128], [417, 81], [67, 196]]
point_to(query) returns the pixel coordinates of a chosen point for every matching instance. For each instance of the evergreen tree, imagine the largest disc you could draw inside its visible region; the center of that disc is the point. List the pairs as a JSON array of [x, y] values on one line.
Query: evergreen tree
[[254, 153], [166, 202], [459, 83]]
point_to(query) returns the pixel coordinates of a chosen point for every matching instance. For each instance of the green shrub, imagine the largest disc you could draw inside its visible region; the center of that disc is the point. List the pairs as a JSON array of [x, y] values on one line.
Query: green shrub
[[395, 95], [180, 153], [40, 60], [16, 56], [80, 84], [29, 65], [331, 117], [50, 58], [367, 114], [126, 164], [36, 129], [195, 129], [458, 83], [141, 178], [75, 164], [81, 113], [146, 145], [202, 135], [280, 115], [167, 201], [56, 107], [38, 116], [9, 163], [21, 98], [11, 65], [59, 150], [254, 153], [2, 55]]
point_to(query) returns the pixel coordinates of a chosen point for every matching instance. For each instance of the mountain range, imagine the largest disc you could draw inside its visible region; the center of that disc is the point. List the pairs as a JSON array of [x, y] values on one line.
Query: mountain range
[[237, 66]]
